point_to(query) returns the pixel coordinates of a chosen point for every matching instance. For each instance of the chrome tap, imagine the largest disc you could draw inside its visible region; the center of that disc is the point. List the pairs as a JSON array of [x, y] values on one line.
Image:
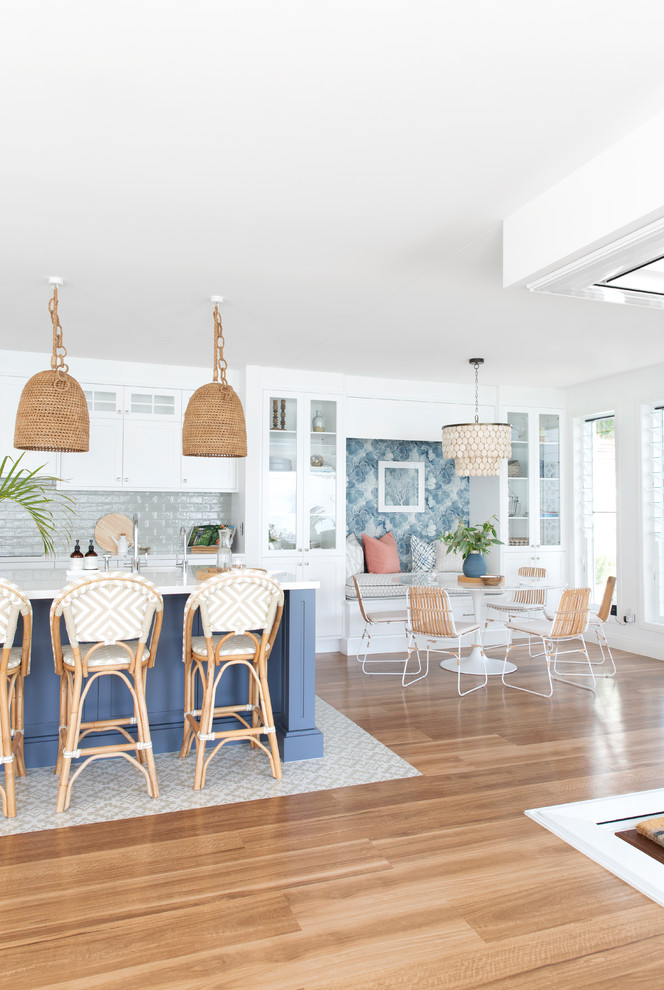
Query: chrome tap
[[184, 533], [135, 565]]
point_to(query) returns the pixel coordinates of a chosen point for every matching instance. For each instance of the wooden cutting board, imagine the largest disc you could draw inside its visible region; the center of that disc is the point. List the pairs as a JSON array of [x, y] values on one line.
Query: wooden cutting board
[[108, 530]]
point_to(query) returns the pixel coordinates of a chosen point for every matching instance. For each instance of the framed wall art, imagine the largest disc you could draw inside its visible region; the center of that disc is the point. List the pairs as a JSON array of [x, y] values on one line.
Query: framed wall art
[[401, 486]]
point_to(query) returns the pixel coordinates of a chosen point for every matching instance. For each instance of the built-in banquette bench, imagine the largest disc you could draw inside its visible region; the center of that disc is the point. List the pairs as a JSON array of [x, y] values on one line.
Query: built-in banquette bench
[[385, 593]]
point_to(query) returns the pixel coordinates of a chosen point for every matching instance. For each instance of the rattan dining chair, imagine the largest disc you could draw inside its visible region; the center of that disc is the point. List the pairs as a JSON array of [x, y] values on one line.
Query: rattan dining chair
[[430, 620], [372, 620], [597, 622], [568, 625], [528, 600], [113, 625], [14, 668], [240, 613]]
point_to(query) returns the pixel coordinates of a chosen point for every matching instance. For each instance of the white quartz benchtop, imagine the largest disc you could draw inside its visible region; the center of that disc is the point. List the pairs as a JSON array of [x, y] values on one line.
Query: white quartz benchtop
[[46, 582]]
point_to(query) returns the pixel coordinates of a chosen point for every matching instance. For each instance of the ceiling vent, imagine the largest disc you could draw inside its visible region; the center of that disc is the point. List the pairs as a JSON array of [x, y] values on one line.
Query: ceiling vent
[[628, 270]]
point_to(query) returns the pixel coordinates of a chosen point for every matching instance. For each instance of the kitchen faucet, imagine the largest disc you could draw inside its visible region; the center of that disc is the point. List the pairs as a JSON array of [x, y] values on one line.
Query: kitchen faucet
[[184, 533], [135, 566]]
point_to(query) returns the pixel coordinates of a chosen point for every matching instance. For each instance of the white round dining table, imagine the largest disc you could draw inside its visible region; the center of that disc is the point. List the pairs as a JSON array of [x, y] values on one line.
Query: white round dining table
[[474, 662]]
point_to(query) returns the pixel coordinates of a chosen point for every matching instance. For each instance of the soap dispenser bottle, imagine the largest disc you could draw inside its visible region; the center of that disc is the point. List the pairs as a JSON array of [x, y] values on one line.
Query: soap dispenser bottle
[[76, 560], [91, 561]]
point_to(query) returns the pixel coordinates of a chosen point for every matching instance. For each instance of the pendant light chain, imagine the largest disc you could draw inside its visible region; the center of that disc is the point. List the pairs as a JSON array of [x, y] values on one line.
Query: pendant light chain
[[58, 362], [477, 390], [220, 364]]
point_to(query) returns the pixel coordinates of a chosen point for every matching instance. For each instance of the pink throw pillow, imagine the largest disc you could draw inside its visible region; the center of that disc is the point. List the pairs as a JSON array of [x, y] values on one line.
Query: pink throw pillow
[[381, 555]]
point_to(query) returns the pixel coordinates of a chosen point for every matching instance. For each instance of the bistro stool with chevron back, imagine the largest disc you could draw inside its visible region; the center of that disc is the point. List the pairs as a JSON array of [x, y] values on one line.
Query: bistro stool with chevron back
[[240, 615], [14, 668], [113, 625]]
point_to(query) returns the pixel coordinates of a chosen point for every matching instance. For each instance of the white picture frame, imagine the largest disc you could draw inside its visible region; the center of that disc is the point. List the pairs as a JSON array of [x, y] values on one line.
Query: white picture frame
[[401, 486]]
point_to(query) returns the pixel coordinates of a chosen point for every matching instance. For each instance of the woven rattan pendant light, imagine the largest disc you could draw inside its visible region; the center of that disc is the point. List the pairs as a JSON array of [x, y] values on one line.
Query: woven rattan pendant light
[[214, 420], [52, 412], [477, 448]]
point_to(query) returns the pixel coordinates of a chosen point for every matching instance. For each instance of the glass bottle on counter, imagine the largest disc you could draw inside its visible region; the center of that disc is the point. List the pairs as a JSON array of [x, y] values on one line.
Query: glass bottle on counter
[[224, 555], [76, 560], [91, 561]]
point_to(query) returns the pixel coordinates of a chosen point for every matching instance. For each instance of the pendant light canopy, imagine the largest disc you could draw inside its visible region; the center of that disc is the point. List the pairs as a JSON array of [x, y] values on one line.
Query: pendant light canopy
[[477, 448], [52, 412], [214, 420]]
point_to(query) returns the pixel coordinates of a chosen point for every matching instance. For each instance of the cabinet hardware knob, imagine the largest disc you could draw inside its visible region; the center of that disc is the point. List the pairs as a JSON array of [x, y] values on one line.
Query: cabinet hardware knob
[[118, 479], [299, 550], [306, 563], [126, 479], [184, 481]]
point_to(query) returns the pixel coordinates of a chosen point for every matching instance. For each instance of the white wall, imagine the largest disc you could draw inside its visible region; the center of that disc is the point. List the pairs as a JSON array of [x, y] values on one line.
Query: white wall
[[624, 395]]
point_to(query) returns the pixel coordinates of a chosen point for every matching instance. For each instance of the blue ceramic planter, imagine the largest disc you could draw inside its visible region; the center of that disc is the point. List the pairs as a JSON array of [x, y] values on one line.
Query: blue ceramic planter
[[474, 565]]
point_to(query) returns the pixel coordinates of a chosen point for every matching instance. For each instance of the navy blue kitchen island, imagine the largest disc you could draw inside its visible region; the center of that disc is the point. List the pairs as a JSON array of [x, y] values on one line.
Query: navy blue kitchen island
[[291, 670]]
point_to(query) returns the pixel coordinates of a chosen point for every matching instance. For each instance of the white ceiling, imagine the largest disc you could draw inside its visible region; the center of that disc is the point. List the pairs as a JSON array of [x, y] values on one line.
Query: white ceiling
[[339, 172]]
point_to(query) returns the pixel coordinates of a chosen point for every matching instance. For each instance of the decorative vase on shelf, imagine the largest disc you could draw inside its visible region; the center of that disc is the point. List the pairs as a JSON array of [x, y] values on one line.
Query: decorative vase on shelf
[[318, 422], [474, 565]]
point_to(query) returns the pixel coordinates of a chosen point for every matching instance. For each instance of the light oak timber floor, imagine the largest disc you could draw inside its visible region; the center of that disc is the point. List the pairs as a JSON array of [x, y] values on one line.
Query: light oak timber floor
[[431, 881]]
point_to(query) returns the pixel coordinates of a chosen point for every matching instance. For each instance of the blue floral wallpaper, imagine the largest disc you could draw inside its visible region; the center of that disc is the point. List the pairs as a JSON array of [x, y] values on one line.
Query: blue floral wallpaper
[[446, 496]]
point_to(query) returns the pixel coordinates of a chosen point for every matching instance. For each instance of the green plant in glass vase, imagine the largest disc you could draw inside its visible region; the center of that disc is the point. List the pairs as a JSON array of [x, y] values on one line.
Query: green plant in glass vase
[[472, 542], [35, 492]]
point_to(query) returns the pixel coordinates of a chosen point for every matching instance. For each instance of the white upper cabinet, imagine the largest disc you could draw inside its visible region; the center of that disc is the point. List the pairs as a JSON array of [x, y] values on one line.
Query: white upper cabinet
[[136, 444], [215, 474], [101, 466]]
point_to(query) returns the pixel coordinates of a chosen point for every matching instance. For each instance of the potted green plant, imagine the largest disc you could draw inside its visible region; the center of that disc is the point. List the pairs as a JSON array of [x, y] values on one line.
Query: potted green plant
[[36, 493], [472, 542]]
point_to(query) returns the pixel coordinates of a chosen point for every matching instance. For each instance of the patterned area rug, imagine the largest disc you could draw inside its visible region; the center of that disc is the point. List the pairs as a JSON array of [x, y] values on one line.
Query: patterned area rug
[[593, 828], [108, 790]]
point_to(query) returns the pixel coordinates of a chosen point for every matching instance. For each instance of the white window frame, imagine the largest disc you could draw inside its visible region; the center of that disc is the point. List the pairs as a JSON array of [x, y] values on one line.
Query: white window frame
[[583, 492], [652, 432]]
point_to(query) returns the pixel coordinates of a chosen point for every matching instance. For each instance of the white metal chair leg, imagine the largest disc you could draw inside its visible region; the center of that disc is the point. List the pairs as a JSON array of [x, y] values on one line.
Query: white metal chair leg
[[414, 648], [462, 694], [516, 687], [575, 673]]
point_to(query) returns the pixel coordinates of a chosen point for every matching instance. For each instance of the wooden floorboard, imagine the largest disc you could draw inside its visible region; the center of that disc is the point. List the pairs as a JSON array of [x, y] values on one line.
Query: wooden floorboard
[[433, 881]]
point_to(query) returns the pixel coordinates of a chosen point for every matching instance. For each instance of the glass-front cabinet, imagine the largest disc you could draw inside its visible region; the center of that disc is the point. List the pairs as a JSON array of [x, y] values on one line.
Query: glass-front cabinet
[[302, 500], [533, 480]]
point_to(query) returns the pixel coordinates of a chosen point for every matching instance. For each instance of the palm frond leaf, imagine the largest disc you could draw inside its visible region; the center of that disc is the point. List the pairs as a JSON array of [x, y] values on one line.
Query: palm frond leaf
[[50, 509]]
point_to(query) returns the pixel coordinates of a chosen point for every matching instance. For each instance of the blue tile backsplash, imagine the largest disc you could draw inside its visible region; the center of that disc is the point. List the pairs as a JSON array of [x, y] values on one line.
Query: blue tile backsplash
[[446, 496]]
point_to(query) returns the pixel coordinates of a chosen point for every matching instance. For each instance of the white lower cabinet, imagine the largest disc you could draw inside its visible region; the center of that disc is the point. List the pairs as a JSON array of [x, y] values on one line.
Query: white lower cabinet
[[330, 571]]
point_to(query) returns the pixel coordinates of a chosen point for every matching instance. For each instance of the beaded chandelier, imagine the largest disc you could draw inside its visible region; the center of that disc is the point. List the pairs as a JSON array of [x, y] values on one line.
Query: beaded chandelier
[[477, 448]]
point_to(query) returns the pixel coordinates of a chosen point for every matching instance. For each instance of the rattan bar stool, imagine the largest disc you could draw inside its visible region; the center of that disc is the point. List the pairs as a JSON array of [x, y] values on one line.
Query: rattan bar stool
[[14, 668], [240, 614], [113, 625]]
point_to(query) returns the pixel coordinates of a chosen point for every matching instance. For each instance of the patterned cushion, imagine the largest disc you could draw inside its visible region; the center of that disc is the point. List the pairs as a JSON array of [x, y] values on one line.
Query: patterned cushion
[[354, 556], [448, 561], [105, 656], [14, 658], [375, 586], [423, 554], [232, 647]]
